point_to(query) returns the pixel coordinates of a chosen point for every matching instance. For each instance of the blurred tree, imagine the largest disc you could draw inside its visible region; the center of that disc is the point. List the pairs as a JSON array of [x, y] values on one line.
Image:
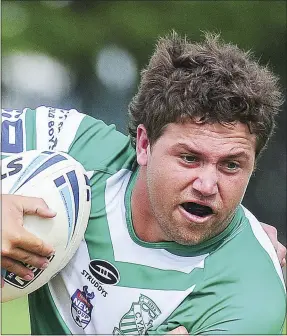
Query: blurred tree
[[74, 32]]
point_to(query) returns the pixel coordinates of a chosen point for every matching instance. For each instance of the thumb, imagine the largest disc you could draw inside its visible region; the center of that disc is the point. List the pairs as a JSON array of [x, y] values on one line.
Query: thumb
[[36, 206], [178, 331], [42, 212]]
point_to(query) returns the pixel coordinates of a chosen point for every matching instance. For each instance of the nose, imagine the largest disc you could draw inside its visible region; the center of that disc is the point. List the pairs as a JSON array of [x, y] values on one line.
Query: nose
[[206, 181]]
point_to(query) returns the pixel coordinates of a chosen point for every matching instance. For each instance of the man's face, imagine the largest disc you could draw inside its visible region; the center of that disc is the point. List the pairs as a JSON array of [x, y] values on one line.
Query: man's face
[[195, 175]]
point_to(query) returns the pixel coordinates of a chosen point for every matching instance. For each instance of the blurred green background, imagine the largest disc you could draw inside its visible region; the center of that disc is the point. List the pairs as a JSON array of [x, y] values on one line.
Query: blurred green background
[[15, 317], [88, 55]]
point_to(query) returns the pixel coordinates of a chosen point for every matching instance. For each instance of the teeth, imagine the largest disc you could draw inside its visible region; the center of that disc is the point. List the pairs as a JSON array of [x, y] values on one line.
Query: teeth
[[197, 209]]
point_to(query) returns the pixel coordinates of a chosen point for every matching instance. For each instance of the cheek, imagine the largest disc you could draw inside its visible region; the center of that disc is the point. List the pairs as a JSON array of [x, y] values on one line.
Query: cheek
[[163, 178], [159, 168], [233, 190]]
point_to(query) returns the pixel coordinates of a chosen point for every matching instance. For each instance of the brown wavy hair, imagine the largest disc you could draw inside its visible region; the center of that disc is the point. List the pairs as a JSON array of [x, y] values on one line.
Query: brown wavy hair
[[207, 82]]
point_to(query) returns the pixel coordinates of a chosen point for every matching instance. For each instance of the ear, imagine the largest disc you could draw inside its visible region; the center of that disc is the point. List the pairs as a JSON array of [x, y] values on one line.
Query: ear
[[142, 145]]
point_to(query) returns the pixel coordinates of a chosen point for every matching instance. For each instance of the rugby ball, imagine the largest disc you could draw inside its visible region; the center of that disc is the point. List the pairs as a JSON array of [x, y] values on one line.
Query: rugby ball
[[64, 185]]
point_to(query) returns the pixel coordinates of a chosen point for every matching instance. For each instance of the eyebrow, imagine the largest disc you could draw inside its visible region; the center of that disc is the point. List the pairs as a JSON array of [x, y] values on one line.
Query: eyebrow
[[239, 154], [185, 147]]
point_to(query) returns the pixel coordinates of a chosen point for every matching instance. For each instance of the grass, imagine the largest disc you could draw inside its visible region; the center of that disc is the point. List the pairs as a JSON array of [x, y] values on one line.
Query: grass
[[15, 317]]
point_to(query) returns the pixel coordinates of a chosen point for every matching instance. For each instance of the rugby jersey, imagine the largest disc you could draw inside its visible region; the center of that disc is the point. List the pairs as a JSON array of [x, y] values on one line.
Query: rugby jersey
[[118, 284]]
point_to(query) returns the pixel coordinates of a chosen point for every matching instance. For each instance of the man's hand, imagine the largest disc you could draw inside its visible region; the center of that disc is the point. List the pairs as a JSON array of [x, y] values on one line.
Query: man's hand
[[17, 243], [178, 331], [279, 248]]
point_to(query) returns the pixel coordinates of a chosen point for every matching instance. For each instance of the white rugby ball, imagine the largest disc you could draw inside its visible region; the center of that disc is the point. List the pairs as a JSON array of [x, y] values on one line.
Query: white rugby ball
[[63, 184]]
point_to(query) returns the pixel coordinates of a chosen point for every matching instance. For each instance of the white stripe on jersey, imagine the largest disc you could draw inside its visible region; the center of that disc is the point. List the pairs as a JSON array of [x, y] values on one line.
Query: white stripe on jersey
[[56, 128], [12, 135], [69, 130], [264, 241]]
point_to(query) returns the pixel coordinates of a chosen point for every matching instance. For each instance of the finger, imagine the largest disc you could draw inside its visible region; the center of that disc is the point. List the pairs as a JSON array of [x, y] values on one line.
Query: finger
[[34, 244], [178, 331], [36, 206], [281, 254], [39, 211], [26, 257], [272, 234], [2, 282], [25, 240], [16, 268]]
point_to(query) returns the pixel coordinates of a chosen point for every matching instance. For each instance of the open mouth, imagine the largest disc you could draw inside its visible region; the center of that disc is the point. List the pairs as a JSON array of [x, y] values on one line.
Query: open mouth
[[197, 209]]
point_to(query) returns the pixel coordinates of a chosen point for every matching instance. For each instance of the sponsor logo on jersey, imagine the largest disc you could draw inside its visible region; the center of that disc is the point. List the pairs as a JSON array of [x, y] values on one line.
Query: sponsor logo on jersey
[[13, 139], [95, 283], [104, 271], [18, 282], [13, 167], [81, 307], [56, 118], [139, 319], [101, 272]]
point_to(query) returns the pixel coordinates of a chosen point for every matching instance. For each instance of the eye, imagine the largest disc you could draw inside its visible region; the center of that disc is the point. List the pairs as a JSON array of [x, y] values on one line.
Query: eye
[[231, 165], [189, 158]]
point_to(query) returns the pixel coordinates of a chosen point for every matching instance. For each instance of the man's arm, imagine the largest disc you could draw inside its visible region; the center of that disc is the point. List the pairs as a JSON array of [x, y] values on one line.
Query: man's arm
[[47, 128], [178, 331]]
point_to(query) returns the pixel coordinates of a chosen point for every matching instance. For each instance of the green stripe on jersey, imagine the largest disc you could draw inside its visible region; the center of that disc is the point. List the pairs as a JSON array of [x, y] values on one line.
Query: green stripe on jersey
[[31, 136], [45, 326]]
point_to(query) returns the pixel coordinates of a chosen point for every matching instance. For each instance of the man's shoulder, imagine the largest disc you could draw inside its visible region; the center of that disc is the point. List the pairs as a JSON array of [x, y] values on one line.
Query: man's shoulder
[[38, 128], [89, 140], [256, 246], [246, 254]]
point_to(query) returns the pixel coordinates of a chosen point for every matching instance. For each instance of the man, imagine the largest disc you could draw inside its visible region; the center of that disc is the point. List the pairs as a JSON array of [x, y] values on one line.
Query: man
[[166, 218]]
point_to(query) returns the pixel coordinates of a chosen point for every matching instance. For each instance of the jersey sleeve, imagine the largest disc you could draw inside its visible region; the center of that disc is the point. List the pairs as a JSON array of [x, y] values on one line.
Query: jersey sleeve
[[221, 317], [88, 140], [40, 128]]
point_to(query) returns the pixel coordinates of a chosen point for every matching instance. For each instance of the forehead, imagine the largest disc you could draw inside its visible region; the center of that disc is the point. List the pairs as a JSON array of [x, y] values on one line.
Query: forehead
[[224, 139]]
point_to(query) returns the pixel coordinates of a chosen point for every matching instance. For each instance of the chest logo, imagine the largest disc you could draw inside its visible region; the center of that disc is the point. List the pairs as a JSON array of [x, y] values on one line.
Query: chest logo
[[104, 271], [139, 319], [82, 307]]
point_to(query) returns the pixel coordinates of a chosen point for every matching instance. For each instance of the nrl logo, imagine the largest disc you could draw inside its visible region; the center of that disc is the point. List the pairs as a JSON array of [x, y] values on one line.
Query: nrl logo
[[139, 318], [81, 307]]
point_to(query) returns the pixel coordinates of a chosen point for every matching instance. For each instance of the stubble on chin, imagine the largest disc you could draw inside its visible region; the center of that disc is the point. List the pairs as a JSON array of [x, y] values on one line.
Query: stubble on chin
[[193, 234]]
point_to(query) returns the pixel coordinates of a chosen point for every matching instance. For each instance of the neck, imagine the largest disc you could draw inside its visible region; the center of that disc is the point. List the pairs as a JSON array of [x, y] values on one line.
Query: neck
[[143, 220]]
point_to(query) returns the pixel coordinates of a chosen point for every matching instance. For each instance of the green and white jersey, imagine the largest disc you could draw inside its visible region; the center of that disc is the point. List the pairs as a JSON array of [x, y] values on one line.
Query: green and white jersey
[[118, 284]]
